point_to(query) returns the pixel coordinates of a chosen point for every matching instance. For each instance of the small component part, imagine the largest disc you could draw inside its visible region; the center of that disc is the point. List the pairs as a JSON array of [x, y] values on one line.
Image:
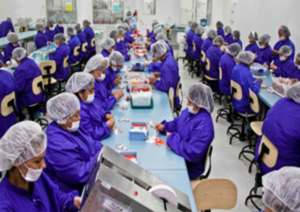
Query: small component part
[[127, 98]]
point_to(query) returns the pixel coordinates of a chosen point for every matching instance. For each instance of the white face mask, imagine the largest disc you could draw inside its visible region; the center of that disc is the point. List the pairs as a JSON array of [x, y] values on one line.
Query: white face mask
[[191, 110], [32, 174], [56, 45], [102, 77], [282, 38], [122, 39], [282, 58], [90, 99], [75, 126], [60, 25], [226, 34], [112, 51], [115, 69], [261, 47], [118, 40], [298, 66], [15, 45]]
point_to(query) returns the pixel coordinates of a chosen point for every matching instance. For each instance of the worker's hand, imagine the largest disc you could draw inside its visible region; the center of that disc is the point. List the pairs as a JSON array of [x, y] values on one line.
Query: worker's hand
[[111, 123], [156, 75], [130, 56], [273, 67], [147, 63], [148, 39], [275, 52], [117, 81], [159, 127], [49, 53], [119, 76], [119, 94], [255, 56], [146, 45], [129, 70], [294, 81], [109, 116], [168, 134], [152, 80], [77, 202], [225, 44], [266, 65], [154, 60], [260, 80], [153, 87], [4, 65]]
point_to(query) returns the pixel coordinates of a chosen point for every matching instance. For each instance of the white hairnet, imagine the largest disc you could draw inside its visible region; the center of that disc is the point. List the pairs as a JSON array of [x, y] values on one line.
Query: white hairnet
[[264, 38], [281, 189], [254, 36], [194, 25], [212, 33], [125, 26], [39, 27], [79, 81], [218, 40], [199, 30], [12, 37], [201, 95], [219, 24], [97, 62], [116, 58], [50, 22], [154, 21], [107, 43], [298, 56], [164, 43], [1, 63], [285, 50], [120, 27], [22, 142], [113, 34], [86, 22], [19, 53], [121, 31], [228, 29], [62, 107], [60, 38], [158, 49], [234, 49], [294, 92], [70, 31], [161, 36], [236, 34], [158, 30], [157, 26], [245, 57], [285, 30], [77, 27], [190, 24]]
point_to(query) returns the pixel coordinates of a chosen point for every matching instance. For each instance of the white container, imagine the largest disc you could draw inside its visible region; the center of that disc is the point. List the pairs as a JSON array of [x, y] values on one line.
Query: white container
[[135, 78], [141, 95]]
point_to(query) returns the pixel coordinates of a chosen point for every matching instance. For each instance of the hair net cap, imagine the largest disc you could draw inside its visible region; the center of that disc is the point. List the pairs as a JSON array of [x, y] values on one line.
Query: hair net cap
[[281, 189], [285, 50], [219, 24], [199, 30], [70, 31], [86, 22], [116, 58], [164, 43], [201, 95], [194, 25], [285, 30], [22, 142], [158, 49], [79, 81], [264, 38], [19, 53], [245, 57], [254, 35], [157, 26], [212, 33], [158, 30], [228, 29], [50, 22], [1, 64], [298, 56], [113, 34], [154, 22], [294, 92], [125, 26], [39, 27], [236, 34], [161, 36], [62, 107], [12, 37], [60, 38], [97, 62], [234, 49], [107, 43], [77, 27], [218, 40], [121, 31]]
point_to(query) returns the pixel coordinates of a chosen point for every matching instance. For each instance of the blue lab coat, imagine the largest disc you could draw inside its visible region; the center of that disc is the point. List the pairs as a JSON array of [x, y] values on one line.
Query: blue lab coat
[[8, 51], [239, 42], [198, 41], [189, 40], [169, 77], [105, 53], [242, 75], [89, 33], [70, 157], [25, 73], [252, 48], [74, 41], [155, 66], [128, 39], [191, 137], [44, 196], [214, 55], [120, 48], [227, 63], [5, 27], [132, 21], [170, 49], [264, 56], [221, 32], [93, 121], [82, 39], [281, 127], [229, 39], [40, 40], [285, 68], [50, 34], [7, 86], [58, 56], [2, 58], [205, 46], [103, 96], [278, 45], [111, 75], [59, 29], [296, 73]]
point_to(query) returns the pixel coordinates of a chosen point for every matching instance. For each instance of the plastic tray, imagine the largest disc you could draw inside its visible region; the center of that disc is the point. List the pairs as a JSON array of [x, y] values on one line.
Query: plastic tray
[[142, 107]]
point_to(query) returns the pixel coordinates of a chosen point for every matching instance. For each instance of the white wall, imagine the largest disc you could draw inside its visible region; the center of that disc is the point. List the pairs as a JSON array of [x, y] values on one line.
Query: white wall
[[263, 16]]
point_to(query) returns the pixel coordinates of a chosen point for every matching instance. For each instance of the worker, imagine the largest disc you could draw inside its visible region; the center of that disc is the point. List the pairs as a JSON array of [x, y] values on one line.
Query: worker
[[59, 29], [198, 41], [108, 46], [281, 190], [112, 78], [6, 27], [49, 31], [241, 74], [236, 36], [169, 72], [61, 52], [25, 187], [253, 38], [118, 44], [26, 72], [71, 151], [227, 63], [281, 128], [128, 34], [162, 36], [90, 37], [189, 39], [151, 34], [132, 21], [228, 36], [220, 30], [284, 40], [264, 55], [285, 67], [13, 43], [93, 118], [122, 45], [214, 54], [41, 38], [8, 85], [82, 39], [296, 72], [97, 66], [191, 134], [208, 42], [73, 43]]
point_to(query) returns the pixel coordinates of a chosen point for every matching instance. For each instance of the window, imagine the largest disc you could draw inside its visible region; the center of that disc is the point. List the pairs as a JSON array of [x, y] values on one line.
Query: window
[[108, 11], [64, 9]]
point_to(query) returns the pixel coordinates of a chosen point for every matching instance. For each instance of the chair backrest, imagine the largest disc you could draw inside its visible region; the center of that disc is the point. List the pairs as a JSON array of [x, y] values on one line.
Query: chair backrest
[[93, 42], [236, 90], [7, 104], [203, 56], [171, 98], [207, 65], [47, 68], [23, 28], [268, 153], [168, 32], [36, 85], [176, 56], [76, 51], [220, 73], [84, 47], [178, 87], [253, 100], [66, 61], [208, 164], [194, 46], [215, 194]]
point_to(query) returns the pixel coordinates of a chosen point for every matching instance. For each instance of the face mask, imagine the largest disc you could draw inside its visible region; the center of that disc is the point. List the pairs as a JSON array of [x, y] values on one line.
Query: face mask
[[118, 40], [191, 110], [282, 58], [15, 45], [56, 45], [261, 47], [282, 38], [226, 34], [102, 77], [90, 99], [122, 39], [32, 174], [115, 69], [75, 126], [298, 66], [60, 25]]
